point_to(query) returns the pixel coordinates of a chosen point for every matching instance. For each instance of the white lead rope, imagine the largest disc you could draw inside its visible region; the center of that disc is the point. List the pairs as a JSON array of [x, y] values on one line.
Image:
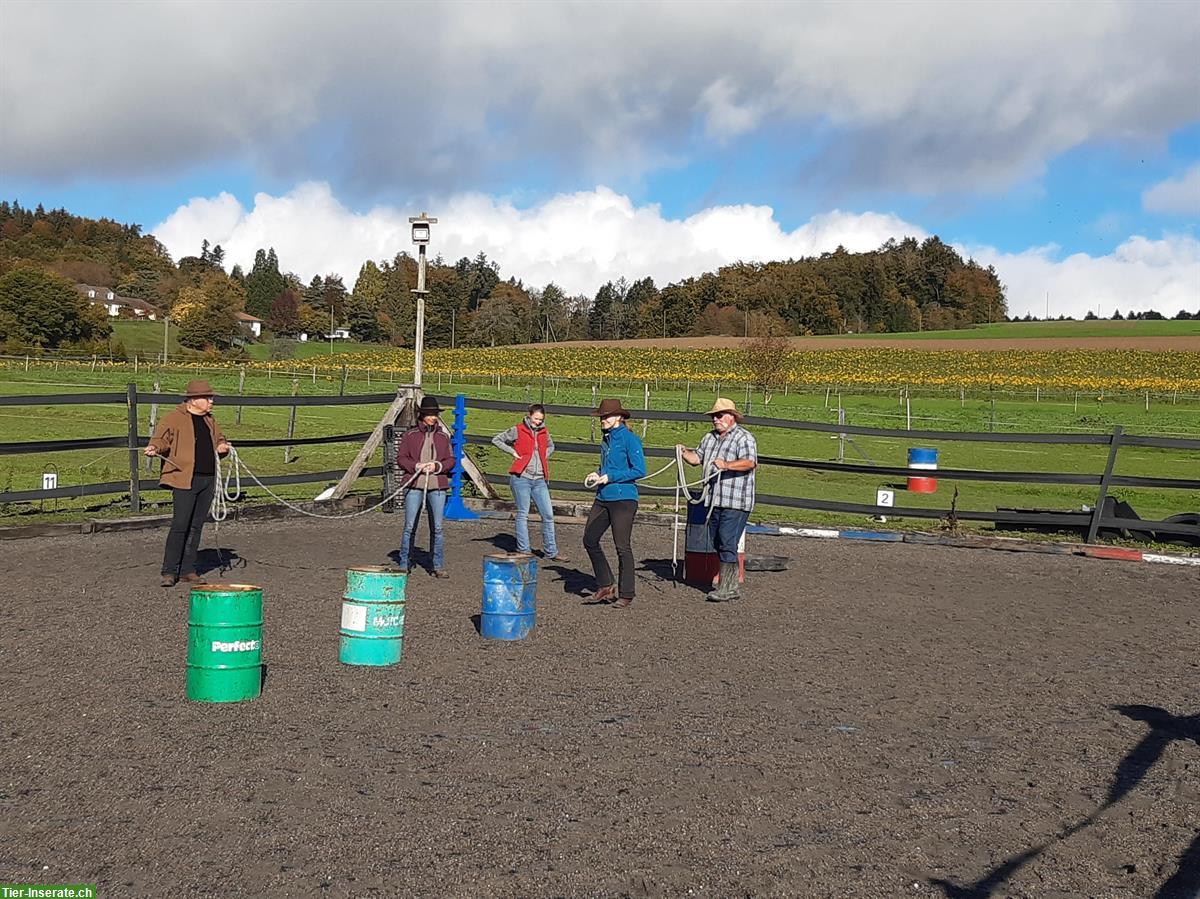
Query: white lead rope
[[682, 485], [225, 494]]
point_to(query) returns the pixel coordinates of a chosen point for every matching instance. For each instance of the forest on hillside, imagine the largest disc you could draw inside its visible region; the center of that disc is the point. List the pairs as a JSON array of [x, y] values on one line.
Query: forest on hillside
[[904, 285]]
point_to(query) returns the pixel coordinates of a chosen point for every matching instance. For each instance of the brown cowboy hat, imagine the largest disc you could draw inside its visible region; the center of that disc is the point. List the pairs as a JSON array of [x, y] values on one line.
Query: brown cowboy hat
[[429, 406], [611, 407], [198, 388], [724, 405]]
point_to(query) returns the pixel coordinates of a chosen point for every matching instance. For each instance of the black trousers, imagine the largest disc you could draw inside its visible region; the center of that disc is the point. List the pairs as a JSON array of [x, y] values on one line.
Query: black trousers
[[190, 509], [617, 515]]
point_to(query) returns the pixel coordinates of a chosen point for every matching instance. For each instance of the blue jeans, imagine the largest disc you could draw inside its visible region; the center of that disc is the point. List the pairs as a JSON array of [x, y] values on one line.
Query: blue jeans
[[725, 528], [524, 489], [436, 503]]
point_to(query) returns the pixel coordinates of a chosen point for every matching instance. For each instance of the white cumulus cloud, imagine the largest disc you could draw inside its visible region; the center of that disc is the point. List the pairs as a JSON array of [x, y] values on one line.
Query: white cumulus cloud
[[578, 240], [1139, 275], [1177, 196], [581, 240]]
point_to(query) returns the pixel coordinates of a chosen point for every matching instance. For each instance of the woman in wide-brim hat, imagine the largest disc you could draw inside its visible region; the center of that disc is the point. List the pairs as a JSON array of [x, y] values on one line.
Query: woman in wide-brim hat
[[622, 463], [425, 458], [188, 440]]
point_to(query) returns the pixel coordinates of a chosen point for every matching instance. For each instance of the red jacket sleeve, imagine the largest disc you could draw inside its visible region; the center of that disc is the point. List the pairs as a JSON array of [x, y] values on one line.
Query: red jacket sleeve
[[405, 458]]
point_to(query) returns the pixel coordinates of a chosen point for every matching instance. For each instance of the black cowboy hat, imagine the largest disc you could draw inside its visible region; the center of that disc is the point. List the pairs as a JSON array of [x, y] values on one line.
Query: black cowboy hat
[[429, 406]]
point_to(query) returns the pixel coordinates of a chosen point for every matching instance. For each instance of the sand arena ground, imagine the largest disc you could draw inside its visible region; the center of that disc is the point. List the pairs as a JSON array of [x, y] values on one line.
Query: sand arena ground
[[880, 720]]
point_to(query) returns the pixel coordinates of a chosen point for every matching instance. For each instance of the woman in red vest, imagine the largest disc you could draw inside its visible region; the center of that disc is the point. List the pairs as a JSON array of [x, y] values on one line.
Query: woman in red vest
[[530, 444]]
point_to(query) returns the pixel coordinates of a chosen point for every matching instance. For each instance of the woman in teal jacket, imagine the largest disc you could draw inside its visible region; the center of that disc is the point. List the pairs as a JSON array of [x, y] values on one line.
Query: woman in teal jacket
[[622, 463]]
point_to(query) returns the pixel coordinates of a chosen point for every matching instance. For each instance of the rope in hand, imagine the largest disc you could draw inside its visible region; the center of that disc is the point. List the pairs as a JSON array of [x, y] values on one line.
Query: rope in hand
[[682, 485]]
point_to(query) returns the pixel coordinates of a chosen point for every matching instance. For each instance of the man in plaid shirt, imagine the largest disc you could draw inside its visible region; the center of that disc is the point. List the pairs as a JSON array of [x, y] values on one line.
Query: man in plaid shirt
[[729, 454]]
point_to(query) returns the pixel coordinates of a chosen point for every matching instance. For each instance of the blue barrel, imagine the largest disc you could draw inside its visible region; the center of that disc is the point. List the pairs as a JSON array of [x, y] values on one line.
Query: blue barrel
[[509, 596], [372, 630], [922, 458]]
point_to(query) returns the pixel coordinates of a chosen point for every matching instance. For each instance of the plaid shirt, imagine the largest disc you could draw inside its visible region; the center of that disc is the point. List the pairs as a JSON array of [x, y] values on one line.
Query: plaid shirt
[[733, 489]]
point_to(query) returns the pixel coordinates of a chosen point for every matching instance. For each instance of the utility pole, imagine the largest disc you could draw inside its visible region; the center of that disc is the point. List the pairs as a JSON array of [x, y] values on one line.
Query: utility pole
[[330, 327], [452, 314], [420, 236]]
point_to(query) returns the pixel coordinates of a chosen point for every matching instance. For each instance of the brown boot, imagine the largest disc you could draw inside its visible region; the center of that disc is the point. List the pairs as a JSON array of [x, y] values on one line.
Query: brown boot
[[168, 580], [602, 595], [192, 578], [623, 603]]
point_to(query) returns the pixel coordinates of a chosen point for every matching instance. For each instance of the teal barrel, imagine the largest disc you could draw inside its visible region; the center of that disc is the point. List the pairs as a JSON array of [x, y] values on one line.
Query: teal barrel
[[224, 643], [373, 616], [509, 596]]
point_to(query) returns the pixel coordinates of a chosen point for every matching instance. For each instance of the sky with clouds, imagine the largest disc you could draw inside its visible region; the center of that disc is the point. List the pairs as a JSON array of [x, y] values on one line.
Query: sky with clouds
[[582, 142]]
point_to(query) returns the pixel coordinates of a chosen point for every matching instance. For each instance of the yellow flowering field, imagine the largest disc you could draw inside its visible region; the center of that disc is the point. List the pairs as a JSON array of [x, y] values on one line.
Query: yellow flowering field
[[1111, 370]]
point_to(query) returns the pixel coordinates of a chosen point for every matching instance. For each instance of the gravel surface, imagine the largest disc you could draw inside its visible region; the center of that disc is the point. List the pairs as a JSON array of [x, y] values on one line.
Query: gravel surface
[[879, 720]]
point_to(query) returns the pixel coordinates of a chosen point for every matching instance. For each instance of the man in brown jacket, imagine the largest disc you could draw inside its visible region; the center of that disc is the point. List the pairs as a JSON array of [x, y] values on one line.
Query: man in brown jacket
[[188, 441]]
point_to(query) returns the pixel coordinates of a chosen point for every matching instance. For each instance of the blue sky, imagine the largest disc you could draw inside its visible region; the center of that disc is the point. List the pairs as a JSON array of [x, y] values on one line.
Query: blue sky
[[1057, 141]]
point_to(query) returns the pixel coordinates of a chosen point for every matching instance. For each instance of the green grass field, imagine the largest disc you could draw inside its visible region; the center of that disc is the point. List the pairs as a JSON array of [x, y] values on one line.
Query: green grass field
[[145, 339], [311, 348], [1181, 418], [1021, 330]]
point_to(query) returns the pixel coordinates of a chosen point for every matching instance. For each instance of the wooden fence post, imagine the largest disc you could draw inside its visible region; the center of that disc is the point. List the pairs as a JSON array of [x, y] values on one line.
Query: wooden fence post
[[345, 375], [401, 412], [241, 388], [287, 450], [1105, 479], [131, 399], [842, 435], [645, 405], [592, 418], [153, 421]]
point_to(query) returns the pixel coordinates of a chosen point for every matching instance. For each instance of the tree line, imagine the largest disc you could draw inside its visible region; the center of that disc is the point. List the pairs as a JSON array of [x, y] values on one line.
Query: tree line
[[904, 285]]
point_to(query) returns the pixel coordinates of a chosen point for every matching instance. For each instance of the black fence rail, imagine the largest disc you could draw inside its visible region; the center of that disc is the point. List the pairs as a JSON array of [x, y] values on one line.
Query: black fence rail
[[1093, 521], [1099, 517]]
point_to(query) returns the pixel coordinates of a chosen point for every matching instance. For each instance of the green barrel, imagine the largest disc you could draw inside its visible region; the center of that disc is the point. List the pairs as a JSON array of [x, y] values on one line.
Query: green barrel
[[373, 616], [224, 643]]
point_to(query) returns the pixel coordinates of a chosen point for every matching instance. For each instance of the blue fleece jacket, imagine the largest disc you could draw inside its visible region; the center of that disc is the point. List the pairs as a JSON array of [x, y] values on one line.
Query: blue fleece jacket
[[622, 459]]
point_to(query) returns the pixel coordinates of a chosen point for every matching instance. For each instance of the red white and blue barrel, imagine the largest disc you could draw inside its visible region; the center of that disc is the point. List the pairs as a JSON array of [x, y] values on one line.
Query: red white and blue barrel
[[701, 563], [922, 459]]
